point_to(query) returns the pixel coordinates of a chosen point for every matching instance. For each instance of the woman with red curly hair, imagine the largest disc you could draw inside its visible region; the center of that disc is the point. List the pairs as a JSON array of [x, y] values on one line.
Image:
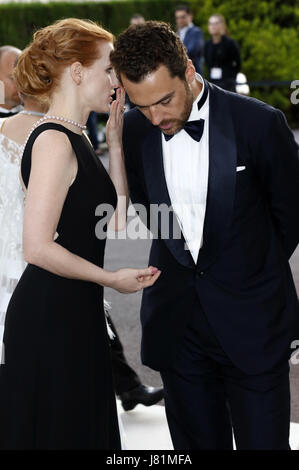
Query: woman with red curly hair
[[56, 387]]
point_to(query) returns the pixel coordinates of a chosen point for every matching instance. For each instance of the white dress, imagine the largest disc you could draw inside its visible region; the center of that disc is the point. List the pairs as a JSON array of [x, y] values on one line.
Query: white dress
[[12, 263]]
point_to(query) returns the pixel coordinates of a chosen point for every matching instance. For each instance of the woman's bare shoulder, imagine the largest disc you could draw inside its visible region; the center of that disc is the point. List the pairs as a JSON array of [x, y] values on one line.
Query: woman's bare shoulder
[[53, 141]]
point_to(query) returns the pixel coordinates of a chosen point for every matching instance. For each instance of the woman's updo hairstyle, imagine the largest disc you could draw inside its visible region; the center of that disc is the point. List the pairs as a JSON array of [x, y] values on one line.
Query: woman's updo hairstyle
[[55, 47]]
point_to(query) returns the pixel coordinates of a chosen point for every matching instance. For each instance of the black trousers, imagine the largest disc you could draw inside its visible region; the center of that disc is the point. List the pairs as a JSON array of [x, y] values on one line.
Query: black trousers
[[125, 378], [206, 397]]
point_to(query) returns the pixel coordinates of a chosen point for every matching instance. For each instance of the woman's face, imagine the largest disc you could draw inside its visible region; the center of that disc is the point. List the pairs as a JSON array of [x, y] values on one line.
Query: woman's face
[[100, 81], [215, 25]]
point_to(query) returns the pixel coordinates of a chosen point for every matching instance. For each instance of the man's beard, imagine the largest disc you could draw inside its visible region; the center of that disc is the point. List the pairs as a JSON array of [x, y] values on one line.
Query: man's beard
[[179, 123]]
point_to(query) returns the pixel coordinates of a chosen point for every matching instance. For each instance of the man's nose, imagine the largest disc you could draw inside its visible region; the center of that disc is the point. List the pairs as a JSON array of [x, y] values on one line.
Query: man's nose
[[155, 115]]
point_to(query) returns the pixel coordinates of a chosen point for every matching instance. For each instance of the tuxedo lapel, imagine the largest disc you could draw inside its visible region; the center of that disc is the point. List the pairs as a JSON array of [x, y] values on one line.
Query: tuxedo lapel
[[158, 195], [221, 182], [222, 177]]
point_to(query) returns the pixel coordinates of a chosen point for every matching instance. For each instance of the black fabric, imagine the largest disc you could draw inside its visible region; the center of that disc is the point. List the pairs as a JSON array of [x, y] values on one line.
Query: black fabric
[[92, 126], [224, 55], [56, 386], [206, 397], [5, 115], [251, 228], [193, 128], [125, 378]]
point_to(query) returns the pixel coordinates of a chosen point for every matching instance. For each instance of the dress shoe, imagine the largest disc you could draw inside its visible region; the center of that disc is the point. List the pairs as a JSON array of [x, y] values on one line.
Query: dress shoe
[[141, 394]]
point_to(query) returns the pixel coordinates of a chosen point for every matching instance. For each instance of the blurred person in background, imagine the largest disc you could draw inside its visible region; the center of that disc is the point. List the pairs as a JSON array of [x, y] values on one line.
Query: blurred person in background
[[192, 36], [92, 127], [128, 386], [12, 103], [137, 19], [222, 55]]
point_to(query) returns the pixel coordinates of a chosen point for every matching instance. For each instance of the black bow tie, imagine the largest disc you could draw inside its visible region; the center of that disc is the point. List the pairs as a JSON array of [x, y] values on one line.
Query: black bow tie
[[194, 128]]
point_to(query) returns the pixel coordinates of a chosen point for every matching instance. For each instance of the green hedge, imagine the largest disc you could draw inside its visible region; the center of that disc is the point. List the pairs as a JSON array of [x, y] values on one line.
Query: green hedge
[[267, 32]]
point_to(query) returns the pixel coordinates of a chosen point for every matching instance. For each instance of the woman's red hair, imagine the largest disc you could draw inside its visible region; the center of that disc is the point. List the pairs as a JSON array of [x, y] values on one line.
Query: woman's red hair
[[55, 47]]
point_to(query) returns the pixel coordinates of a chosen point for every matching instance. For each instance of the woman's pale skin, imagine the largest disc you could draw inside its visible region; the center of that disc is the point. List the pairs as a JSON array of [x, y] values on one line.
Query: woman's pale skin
[[81, 90], [216, 28]]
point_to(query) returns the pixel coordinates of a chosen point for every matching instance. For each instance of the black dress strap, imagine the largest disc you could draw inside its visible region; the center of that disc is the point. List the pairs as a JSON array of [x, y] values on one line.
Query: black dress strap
[[26, 158]]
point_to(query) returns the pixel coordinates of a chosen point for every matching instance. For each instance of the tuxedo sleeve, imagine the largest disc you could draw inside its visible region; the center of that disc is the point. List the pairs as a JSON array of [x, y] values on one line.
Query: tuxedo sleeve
[[278, 169]]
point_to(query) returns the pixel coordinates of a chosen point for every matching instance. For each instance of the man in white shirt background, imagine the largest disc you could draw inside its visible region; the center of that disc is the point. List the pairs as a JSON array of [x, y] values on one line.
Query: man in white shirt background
[[221, 322]]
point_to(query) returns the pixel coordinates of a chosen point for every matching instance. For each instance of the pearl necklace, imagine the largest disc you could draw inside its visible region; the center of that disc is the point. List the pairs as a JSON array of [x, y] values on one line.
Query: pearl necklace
[[58, 118]]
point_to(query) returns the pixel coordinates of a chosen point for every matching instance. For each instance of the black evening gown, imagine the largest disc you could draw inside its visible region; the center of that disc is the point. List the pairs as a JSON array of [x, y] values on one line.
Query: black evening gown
[[56, 386]]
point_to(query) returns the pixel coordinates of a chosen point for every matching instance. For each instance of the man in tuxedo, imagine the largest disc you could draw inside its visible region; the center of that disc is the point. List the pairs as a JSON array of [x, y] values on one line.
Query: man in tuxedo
[[12, 102], [220, 322], [192, 36]]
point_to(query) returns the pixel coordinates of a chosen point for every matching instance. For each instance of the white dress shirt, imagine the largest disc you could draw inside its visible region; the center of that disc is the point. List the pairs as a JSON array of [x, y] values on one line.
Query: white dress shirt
[[186, 167]]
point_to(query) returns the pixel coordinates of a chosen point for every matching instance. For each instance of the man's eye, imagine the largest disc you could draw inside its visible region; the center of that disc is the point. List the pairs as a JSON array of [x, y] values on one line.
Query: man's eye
[[166, 101], [109, 70]]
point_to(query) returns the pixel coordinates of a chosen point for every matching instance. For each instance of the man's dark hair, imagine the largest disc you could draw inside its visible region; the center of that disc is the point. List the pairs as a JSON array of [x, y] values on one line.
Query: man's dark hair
[[183, 8], [141, 49]]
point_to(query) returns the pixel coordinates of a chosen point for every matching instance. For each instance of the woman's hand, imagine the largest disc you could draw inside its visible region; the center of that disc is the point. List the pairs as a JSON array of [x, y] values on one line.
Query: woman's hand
[[114, 128], [128, 281]]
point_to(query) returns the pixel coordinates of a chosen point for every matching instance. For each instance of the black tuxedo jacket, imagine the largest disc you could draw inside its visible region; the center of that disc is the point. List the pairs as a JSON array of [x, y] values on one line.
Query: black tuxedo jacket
[[242, 277]]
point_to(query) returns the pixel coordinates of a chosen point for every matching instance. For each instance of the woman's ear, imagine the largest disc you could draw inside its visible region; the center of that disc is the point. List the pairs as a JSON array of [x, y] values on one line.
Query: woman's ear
[[76, 71]]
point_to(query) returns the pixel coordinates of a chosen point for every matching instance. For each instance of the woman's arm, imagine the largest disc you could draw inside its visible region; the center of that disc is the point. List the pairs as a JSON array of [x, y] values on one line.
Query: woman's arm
[[50, 178]]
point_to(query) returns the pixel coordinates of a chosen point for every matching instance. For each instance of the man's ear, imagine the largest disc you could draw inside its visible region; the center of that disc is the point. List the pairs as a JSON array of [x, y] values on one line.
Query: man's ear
[[190, 72]]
